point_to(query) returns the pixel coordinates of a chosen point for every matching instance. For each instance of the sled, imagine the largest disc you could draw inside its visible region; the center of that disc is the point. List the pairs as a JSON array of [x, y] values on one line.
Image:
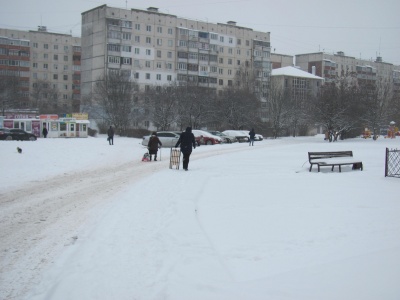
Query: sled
[[146, 157], [175, 158]]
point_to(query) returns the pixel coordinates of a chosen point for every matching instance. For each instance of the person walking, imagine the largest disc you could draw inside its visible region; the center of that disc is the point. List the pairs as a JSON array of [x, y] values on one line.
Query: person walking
[[186, 141], [110, 133], [45, 132], [154, 141], [252, 135]]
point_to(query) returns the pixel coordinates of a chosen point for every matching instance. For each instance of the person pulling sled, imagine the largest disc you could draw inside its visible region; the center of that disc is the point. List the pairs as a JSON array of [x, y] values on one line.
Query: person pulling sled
[[153, 145]]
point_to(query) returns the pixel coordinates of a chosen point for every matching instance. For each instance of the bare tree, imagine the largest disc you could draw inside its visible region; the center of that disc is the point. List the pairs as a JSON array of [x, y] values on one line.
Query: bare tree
[[163, 105], [194, 105], [114, 94], [278, 108], [9, 92], [378, 106]]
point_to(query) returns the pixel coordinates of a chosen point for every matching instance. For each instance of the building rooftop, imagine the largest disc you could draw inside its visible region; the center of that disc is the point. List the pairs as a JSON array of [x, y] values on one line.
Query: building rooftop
[[293, 72]]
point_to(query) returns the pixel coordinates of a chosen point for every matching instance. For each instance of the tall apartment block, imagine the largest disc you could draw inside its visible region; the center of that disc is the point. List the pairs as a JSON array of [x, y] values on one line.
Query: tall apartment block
[[158, 48], [330, 66], [43, 57]]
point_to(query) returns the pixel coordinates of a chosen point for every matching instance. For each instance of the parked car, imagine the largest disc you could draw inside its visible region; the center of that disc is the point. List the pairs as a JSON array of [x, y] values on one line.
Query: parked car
[[225, 138], [239, 135], [16, 135], [168, 139], [206, 138]]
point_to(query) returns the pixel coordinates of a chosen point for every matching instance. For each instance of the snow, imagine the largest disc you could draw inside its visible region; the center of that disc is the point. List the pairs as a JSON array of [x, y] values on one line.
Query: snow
[[81, 219], [294, 72]]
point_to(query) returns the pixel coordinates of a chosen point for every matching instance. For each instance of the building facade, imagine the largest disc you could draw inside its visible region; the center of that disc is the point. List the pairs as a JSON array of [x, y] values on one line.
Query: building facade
[[281, 60], [331, 66], [158, 49], [41, 58]]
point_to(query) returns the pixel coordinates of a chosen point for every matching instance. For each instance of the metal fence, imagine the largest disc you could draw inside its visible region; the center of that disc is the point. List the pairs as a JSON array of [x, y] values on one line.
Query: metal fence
[[392, 163]]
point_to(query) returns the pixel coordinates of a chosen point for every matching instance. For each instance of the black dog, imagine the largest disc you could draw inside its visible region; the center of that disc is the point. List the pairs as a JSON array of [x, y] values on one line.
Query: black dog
[[19, 150]]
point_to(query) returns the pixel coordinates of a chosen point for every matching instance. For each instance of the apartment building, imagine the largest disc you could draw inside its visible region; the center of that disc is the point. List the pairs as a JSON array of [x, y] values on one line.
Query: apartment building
[[281, 60], [42, 57], [331, 66], [158, 48]]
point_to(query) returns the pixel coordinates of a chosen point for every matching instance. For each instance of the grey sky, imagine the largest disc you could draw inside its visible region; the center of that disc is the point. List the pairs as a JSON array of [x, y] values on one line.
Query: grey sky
[[360, 28]]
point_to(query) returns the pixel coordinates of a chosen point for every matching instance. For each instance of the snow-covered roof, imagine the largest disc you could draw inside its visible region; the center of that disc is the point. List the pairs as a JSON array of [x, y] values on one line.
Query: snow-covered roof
[[293, 72]]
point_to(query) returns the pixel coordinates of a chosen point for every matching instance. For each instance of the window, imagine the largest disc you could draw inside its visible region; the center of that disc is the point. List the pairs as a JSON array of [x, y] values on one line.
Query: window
[[55, 47], [45, 66], [239, 41], [65, 58], [229, 72], [34, 65], [238, 62], [55, 57], [55, 76], [170, 43], [221, 60], [114, 60], [137, 51], [220, 82], [126, 60], [46, 46], [148, 52], [159, 42], [159, 29], [65, 77], [158, 65], [126, 36], [238, 51], [221, 71], [230, 40], [182, 66], [65, 86], [65, 97], [169, 54], [169, 77], [158, 76], [137, 26], [221, 49], [35, 45], [148, 76], [148, 28], [169, 66], [148, 40], [55, 66], [170, 31], [147, 64], [65, 67], [214, 36], [230, 51], [247, 43], [230, 83], [126, 48], [45, 56], [136, 75], [159, 53], [221, 39], [65, 48], [137, 39]]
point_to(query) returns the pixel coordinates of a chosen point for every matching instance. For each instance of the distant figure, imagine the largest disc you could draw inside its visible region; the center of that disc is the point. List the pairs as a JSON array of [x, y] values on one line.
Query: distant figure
[[187, 141], [110, 133], [19, 150], [44, 132], [154, 141], [252, 135]]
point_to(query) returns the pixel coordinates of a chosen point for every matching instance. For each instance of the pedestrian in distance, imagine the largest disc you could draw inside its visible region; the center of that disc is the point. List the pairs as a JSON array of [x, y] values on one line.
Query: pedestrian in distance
[[153, 145], [110, 133], [252, 135], [44, 132], [187, 143]]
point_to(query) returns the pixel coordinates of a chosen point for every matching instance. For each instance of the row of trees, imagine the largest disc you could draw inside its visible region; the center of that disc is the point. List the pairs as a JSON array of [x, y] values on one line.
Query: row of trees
[[43, 96], [343, 107]]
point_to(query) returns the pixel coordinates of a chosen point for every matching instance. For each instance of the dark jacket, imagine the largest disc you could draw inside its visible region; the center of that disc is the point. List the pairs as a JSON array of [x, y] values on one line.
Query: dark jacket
[[187, 141], [110, 132], [252, 134], [154, 141]]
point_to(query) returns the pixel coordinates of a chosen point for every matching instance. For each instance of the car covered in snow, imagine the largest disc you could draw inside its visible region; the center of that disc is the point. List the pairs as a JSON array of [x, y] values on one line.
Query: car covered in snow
[[238, 134], [225, 138], [168, 139]]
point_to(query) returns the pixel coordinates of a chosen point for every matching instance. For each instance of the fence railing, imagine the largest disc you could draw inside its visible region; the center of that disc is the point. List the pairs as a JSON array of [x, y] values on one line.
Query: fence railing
[[392, 163]]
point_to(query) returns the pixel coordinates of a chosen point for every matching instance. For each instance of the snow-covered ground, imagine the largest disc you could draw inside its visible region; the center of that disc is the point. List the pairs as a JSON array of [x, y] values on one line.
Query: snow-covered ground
[[80, 219]]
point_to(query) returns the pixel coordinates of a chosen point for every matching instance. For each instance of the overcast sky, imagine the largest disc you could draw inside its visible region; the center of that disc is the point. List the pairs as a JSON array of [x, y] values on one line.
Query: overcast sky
[[360, 28]]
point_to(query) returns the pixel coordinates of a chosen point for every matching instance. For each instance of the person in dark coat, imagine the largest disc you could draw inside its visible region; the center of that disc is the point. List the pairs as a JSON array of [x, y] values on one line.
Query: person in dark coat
[[154, 141], [252, 135], [44, 132], [110, 133], [186, 141]]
